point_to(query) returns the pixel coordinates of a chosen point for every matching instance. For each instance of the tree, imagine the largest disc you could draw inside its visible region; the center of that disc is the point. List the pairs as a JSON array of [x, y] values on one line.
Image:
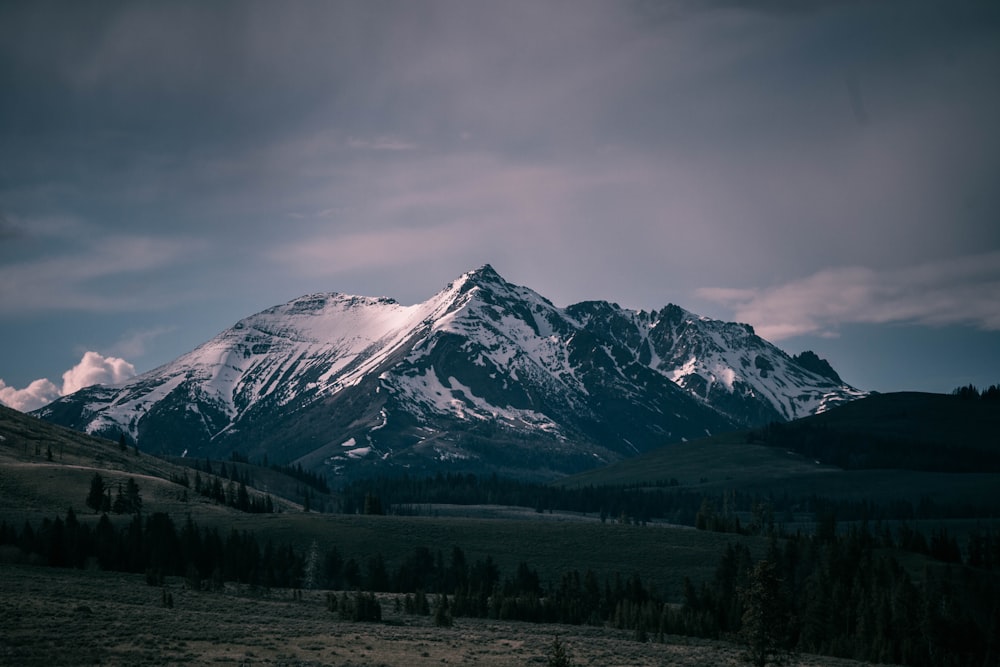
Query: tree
[[558, 656], [442, 612], [765, 617], [95, 499], [132, 498], [373, 505]]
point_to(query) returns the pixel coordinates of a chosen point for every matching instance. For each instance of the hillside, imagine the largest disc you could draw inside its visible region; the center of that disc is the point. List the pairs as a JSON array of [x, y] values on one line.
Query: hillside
[[907, 431], [45, 469], [903, 446]]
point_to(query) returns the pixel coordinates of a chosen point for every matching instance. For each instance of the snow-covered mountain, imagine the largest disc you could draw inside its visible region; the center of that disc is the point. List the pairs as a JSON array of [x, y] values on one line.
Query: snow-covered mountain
[[485, 375]]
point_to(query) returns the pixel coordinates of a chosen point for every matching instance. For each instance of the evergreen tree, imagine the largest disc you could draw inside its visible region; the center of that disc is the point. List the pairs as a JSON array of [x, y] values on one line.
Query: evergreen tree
[[132, 497], [558, 655], [765, 619], [442, 612], [373, 505], [95, 499]]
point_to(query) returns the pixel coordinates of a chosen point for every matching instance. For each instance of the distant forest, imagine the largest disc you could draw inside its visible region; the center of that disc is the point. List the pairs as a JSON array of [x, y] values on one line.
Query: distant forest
[[969, 391], [638, 503], [847, 594]]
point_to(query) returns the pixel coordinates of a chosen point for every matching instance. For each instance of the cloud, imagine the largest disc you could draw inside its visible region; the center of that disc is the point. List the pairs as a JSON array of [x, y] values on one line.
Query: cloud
[[381, 144], [135, 342], [35, 395], [92, 276], [94, 368], [958, 291]]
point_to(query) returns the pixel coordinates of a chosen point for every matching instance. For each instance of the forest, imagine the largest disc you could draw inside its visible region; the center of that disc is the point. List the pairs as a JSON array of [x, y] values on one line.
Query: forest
[[636, 503], [872, 594]]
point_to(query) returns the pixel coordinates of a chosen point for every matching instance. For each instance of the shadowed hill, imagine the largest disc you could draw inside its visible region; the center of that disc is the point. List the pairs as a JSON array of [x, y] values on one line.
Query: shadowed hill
[[887, 446]]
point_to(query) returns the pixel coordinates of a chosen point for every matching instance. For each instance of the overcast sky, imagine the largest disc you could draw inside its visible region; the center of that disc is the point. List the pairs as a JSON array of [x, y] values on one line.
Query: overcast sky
[[826, 171]]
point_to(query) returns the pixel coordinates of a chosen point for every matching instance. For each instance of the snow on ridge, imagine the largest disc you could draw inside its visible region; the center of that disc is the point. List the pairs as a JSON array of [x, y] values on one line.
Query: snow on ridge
[[319, 344]]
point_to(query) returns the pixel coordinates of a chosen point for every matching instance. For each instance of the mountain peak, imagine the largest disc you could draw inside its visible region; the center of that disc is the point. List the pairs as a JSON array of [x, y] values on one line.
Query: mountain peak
[[484, 275], [486, 374], [813, 362]]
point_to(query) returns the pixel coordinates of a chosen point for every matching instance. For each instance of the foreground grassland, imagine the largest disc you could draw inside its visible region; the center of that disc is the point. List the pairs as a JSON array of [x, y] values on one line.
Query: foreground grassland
[[56, 617]]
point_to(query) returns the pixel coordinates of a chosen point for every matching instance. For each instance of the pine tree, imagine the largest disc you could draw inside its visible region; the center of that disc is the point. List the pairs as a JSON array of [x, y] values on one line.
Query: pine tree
[[442, 612], [133, 500], [765, 619], [558, 656], [95, 499]]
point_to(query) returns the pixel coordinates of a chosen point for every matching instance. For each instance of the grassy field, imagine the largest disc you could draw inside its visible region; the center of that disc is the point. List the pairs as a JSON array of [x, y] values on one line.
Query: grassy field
[[53, 617], [662, 556], [33, 488]]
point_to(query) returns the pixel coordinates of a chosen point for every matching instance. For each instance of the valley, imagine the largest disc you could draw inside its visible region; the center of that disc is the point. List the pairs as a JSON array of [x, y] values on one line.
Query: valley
[[664, 543]]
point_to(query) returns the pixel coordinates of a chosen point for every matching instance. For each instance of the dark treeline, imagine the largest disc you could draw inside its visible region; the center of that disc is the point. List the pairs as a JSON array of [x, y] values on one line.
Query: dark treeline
[[845, 595], [637, 503], [405, 494], [154, 545], [240, 472], [311, 479], [297, 472], [970, 391], [233, 494], [849, 596]]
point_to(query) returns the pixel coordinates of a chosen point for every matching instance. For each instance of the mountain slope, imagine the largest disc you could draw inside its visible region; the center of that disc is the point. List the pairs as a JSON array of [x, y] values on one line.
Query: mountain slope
[[484, 375]]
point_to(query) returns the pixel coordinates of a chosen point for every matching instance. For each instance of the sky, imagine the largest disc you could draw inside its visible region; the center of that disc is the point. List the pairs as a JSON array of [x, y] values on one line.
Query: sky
[[828, 172]]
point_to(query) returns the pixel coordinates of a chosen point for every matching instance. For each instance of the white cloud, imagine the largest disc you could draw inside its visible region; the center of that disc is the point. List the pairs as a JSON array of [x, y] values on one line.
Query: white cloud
[[94, 368], [958, 291], [35, 395]]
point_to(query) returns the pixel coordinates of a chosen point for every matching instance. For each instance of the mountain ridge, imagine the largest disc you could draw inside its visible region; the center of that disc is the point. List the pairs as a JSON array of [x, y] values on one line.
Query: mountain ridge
[[484, 374]]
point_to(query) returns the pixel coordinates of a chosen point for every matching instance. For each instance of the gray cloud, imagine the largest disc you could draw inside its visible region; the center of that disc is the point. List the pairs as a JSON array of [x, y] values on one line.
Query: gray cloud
[[964, 291], [177, 155], [91, 276]]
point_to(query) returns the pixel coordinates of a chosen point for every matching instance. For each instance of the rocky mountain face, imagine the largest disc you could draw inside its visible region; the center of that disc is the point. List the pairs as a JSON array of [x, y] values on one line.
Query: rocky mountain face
[[484, 376]]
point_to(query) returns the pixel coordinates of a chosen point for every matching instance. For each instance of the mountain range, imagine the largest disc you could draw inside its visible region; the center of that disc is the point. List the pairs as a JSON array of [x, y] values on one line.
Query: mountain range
[[483, 376]]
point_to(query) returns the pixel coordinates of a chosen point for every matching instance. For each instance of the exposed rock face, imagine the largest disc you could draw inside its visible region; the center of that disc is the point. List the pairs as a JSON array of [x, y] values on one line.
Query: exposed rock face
[[485, 375]]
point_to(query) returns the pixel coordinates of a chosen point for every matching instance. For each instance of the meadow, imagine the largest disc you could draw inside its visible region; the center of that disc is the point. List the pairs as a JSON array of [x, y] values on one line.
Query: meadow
[[54, 617]]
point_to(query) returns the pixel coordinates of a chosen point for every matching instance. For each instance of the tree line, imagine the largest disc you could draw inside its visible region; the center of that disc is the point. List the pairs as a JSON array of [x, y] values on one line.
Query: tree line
[[154, 545], [971, 392], [842, 594], [634, 503]]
